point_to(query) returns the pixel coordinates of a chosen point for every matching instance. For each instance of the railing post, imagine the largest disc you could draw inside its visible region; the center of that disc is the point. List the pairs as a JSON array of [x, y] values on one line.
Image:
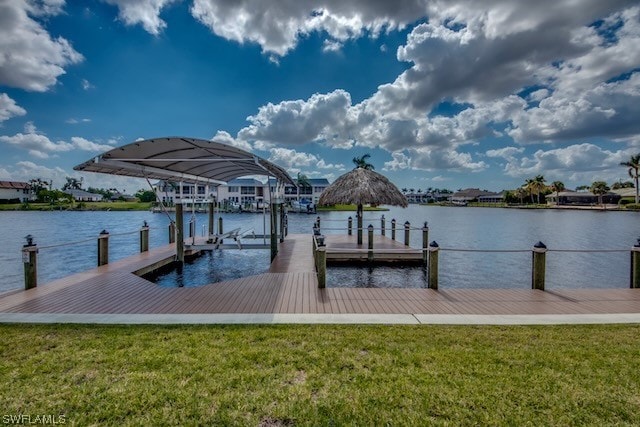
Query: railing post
[[382, 225], [172, 232], [179, 233], [393, 229], [407, 227], [318, 221], [220, 226], [350, 227], [144, 237], [635, 265], [433, 265], [538, 266], [370, 243], [103, 248], [322, 266], [30, 262], [425, 243], [286, 224]]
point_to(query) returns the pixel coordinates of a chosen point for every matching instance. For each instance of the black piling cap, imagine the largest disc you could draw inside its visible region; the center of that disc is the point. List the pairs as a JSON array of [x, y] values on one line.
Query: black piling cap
[[370, 227], [425, 225], [144, 223], [540, 245], [637, 245], [434, 244], [104, 232], [29, 238]]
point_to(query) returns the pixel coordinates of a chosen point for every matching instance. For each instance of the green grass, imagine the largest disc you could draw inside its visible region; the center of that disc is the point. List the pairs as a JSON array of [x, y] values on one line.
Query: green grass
[[322, 374], [350, 208], [82, 206]]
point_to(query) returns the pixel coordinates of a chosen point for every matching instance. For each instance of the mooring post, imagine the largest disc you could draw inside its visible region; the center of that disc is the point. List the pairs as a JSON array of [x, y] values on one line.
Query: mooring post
[[370, 243], [425, 242], [322, 264], [538, 268], [273, 215], [172, 232], [179, 233], [318, 221], [286, 224], [220, 226], [350, 226], [407, 227], [103, 248], [282, 223], [382, 225], [433, 265], [359, 216], [30, 261], [212, 207], [635, 265], [393, 229], [144, 237]]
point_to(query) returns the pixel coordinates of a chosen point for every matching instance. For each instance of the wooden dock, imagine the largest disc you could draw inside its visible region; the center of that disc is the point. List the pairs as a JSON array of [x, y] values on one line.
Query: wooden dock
[[290, 286]]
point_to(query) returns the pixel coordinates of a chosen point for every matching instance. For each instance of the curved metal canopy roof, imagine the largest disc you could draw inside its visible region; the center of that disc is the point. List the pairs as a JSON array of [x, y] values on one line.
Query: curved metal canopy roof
[[183, 159]]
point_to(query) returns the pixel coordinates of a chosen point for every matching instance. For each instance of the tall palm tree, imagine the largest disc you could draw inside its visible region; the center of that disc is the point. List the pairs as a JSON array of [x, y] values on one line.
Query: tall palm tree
[[599, 188], [520, 193], [361, 162], [634, 165], [535, 186], [557, 186], [303, 182]]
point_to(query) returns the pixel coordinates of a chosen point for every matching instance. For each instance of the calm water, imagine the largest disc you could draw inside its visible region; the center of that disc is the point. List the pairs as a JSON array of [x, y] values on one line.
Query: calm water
[[451, 227]]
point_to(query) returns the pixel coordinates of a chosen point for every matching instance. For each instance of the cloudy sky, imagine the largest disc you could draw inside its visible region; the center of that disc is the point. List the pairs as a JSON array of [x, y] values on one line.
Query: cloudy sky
[[451, 94]]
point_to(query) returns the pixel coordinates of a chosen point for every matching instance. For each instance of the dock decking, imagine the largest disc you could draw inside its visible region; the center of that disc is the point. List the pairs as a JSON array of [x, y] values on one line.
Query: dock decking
[[290, 286]]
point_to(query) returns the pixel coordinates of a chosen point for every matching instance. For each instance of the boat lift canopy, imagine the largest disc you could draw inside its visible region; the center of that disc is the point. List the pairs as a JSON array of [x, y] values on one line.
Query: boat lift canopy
[[183, 159]]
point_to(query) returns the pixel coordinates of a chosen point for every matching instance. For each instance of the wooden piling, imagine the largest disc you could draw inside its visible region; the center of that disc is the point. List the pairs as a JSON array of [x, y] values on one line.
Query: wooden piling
[[425, 243], [282, 223], [212, 207], [172, 232], [539, 254], [393, 229], [635, 266], [370, 243], [350, 226], [274, 230], [144, 238], [433, 265], [322, 266], [359, 231], [382, 225], [407, 228], [103, 248], [179, 233], [30, 262], [286, 225]]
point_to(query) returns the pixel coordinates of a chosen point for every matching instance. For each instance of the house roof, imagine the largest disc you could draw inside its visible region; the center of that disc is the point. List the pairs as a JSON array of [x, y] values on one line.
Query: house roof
[[81, 193], [14, 185], [183, 159]]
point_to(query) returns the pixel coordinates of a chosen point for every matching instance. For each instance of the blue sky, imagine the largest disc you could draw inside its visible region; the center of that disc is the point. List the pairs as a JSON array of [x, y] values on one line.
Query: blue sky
[[442, 94]]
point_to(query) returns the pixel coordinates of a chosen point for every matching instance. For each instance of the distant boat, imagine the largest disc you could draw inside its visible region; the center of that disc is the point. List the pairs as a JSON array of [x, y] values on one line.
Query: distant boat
[[302, 206], [458, 203]]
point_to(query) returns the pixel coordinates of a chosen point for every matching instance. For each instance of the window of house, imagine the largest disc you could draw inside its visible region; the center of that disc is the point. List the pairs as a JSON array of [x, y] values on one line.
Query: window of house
[[247, 190], [233, 189]]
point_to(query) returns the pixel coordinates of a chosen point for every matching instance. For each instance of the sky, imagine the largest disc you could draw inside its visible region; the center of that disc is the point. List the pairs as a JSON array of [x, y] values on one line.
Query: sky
[[443, 94]]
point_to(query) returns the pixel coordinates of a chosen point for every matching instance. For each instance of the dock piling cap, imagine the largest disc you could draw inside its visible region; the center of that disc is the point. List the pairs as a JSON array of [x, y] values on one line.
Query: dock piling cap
[[434, 244], [637, 245], [540, 245]]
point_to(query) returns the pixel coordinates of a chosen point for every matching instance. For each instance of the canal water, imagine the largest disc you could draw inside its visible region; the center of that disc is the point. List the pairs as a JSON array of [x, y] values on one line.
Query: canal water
[[451, 227]]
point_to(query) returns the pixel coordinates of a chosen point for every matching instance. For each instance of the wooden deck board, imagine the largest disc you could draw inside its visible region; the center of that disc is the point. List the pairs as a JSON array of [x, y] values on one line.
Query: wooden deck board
[[290, 286]]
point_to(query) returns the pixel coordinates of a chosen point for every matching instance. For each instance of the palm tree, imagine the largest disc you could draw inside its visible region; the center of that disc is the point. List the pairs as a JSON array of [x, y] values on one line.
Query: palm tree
[[634, 165], [599, 188], [72, 184], [303, 182], [361, 162], [557, 186], [404, 190], [520, 193], [535, 185]]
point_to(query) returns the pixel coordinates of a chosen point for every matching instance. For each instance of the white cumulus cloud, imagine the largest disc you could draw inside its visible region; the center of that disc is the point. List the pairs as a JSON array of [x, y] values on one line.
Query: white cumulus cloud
[[9, 108], [30, 58]]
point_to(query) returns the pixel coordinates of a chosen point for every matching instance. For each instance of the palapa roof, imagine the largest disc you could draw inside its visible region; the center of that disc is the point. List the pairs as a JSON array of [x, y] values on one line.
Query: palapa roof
[[361, 187], [183, 159]]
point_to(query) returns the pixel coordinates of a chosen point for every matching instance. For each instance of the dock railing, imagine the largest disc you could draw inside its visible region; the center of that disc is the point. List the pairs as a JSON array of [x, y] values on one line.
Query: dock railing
[[430, 253], [30, 250]]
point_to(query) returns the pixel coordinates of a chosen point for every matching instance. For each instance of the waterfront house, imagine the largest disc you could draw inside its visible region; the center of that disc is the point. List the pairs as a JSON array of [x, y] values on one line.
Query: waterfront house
[[491, 198], [15, 192], [472, 195], [84, 196], [580, 198]]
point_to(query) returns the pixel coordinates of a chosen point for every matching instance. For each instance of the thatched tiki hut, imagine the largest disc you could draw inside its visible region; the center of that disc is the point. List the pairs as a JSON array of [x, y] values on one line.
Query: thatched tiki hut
[[361, 187]]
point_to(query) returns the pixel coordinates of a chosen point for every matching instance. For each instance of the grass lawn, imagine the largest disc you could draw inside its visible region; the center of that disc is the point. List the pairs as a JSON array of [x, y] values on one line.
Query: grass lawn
[[322, 374], [82, 206], [350, 208]]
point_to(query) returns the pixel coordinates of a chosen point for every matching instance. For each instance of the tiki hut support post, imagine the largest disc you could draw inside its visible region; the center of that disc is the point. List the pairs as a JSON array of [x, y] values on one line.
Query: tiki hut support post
[[359, 216]]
